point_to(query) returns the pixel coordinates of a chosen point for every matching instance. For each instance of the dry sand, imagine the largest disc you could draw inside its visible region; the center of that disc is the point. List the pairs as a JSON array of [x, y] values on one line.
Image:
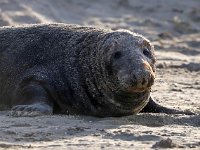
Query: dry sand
[[174, 28]]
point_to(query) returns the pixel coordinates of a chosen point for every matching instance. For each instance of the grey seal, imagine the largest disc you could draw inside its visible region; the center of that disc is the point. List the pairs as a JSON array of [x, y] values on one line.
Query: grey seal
[[70, 69]]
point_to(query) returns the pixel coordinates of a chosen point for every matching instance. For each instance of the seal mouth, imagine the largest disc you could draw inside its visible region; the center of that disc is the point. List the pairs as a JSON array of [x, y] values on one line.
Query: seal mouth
[[138, 90], [141, 83]]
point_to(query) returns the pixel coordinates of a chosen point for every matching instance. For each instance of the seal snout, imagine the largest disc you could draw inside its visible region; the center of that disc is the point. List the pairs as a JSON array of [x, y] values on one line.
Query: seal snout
[[142, 79]]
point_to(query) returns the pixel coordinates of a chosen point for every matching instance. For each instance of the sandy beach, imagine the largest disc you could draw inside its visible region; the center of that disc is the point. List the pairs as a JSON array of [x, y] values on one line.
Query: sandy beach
[[173, 27]]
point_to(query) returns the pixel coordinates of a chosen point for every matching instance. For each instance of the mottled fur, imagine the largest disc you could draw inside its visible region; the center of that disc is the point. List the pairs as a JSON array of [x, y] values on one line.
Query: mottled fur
[[57, 68]]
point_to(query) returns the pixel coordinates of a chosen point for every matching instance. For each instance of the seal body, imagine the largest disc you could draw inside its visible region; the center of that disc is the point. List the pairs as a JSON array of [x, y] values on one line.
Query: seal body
[[70, 69]]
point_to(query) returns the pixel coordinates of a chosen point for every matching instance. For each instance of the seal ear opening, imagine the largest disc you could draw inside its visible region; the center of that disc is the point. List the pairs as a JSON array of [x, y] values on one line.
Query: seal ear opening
[[117, 55]]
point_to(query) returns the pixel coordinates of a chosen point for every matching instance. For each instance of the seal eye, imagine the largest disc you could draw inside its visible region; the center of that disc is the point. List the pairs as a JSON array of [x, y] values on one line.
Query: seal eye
[[117, 55], [146, 52]]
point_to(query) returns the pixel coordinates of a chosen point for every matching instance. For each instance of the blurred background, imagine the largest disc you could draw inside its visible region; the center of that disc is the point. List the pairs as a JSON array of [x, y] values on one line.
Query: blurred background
[[154, 18], [173, 27]]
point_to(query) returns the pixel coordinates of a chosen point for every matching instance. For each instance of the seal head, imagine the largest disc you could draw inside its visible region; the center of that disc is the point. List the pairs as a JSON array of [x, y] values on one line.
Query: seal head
[[129, 62]]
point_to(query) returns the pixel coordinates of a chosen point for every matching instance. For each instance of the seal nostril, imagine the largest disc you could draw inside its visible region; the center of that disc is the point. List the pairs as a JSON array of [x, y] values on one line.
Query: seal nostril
[[151, 81], [143, 81]]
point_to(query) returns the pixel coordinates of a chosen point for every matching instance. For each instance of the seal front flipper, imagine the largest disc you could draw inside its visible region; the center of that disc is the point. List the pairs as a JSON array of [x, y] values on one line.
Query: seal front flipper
[[31, 110], [153, 107], [31, 98]]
